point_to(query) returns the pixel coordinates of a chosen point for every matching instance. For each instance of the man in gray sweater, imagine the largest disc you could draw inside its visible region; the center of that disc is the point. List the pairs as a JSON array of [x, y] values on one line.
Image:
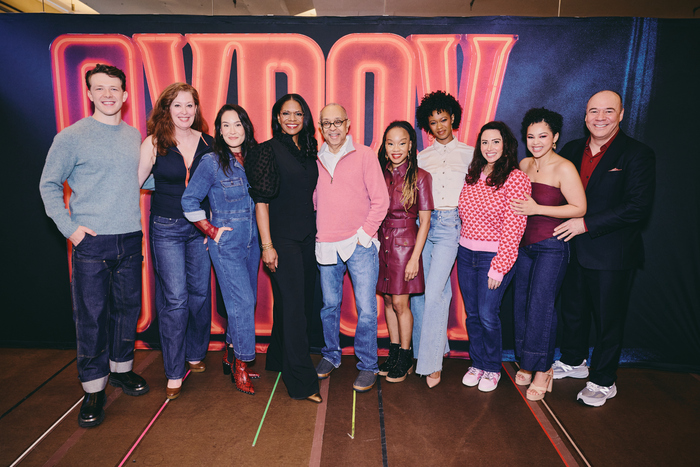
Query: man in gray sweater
[[98, 156]]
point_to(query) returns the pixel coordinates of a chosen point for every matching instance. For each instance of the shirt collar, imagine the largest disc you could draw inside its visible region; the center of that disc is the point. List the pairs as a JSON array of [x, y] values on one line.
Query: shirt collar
[[604, 147], [445, 147], [346, 148]]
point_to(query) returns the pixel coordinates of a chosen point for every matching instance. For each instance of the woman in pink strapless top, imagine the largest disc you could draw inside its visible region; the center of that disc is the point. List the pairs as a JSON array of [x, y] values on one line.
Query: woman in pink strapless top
[[557, 195]]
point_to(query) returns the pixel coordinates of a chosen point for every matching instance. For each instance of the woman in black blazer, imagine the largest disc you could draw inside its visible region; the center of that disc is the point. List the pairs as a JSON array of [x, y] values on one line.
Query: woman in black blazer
[[282, 173]]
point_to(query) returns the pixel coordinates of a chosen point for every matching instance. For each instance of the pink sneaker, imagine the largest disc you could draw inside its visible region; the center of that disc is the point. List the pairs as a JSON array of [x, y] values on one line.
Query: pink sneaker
[[489, 381], [472, 376]]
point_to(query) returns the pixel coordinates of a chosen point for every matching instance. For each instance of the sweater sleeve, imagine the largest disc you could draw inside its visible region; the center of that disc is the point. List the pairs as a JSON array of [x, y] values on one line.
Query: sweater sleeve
[[58, 166], [198, 188], [378, 194], [513, 225]]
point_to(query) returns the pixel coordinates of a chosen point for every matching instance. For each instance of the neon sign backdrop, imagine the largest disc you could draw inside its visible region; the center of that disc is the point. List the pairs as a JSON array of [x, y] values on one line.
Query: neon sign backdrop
[[403, 68]]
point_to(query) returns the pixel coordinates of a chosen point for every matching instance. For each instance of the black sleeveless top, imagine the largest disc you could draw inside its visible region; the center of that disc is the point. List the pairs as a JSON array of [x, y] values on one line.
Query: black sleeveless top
[[170, 176]]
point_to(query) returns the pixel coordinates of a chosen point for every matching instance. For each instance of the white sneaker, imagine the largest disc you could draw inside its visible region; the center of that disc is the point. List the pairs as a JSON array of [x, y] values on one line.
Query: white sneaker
[[489, 381], [472, 376], [595, 395], [562, 370]]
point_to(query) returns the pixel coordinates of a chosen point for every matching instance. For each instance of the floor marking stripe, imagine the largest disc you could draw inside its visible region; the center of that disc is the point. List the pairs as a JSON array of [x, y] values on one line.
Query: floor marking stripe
[[564, 453], [317, 445], [148, 427], [75, 437], [37, 388], [262, 420], [46, 433], [385, 458], [354, 403]]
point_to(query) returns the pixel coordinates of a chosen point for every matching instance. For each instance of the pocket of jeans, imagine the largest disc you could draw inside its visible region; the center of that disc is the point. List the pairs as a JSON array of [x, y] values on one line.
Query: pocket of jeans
[[235, 189]]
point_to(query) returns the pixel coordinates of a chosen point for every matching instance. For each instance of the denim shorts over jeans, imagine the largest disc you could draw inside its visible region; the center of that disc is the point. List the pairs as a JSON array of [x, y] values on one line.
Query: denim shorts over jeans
[[482, 306], [183, 292], [539, 273], [364, 271], [106, 292], [431, 309]]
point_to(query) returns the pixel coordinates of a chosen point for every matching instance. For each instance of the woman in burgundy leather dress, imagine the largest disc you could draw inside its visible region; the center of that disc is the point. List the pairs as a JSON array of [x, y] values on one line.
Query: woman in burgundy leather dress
[[557, 194], [402, 241]]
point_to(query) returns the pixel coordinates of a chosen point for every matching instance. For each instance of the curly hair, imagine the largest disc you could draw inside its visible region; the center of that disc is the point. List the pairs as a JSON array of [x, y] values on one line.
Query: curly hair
[[307, 141], [160, 123], [553, 120], [503, 166], [409, 192], [221, 149], [436, 102]]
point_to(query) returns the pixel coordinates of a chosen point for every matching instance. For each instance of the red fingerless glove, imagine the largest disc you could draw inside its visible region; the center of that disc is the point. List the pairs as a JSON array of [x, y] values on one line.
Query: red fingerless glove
[[206, 228]]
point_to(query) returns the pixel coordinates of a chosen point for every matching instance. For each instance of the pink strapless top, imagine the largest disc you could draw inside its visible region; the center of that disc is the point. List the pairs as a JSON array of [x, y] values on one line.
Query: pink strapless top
[[542, 227]]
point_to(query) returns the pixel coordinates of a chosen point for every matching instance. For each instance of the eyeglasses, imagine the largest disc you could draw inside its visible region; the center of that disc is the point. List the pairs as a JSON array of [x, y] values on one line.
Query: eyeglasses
[[286, 115], [337, 123]]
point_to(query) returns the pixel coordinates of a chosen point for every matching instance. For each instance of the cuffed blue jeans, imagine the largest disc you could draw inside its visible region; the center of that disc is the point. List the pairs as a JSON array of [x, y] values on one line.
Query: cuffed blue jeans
[[539, 273], [431, 309], [482, 306], [363, 266], [106, 292], [236, 260], [183, 292]]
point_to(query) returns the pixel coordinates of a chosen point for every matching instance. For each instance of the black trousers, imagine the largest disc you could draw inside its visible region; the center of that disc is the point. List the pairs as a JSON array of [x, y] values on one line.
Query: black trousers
[[601, 296], [293, 292]]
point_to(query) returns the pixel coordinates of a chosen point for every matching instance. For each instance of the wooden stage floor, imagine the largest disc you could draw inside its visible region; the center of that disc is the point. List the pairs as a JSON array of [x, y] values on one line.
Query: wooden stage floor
[[654, 420]]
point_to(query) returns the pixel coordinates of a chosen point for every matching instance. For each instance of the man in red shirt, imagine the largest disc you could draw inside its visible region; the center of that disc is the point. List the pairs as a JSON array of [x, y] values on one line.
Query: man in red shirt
[[618, 175]]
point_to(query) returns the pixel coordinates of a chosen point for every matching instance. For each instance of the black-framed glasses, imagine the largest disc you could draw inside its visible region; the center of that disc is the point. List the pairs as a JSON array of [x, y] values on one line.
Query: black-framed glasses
[[336, 123]]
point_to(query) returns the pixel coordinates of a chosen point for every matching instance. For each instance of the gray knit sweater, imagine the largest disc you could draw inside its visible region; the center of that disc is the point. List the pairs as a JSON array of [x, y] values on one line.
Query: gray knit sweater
[[100, 162]]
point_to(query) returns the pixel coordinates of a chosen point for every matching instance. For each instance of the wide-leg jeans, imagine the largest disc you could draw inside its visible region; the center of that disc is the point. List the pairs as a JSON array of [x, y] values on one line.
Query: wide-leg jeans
[[183, 292], [539, 273], [482, 306], [106, 292], [236, 261], [431, 309], [363, 266]]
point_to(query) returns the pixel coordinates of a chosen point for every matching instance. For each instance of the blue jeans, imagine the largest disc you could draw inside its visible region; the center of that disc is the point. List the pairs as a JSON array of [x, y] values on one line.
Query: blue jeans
[[539, 273], [364, 271], [183, 298], [482, 306], [236, 260], [106, 292], [431, 310]]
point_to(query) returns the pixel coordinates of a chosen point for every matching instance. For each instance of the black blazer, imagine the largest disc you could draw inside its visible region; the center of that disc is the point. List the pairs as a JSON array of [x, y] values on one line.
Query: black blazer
[[620, 193]]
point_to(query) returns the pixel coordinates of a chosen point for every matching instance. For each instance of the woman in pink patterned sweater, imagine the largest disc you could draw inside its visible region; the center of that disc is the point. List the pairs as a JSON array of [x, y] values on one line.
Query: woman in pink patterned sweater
[[488, 246]]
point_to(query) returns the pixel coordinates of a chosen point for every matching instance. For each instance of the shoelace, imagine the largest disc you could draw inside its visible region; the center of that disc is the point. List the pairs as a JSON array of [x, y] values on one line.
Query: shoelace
[[490, 375], [473, 371]]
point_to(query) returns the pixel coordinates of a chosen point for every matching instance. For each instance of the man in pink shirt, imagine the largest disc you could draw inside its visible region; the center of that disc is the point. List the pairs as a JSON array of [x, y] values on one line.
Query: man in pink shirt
[[351, 202]]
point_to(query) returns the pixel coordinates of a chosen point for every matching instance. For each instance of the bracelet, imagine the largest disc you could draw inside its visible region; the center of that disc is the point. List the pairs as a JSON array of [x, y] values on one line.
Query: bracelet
[[266, 246]]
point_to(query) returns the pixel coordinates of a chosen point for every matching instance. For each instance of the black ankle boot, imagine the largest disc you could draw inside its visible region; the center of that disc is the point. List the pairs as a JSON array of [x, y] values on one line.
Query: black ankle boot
[[403, 367], [391, 360], [92, 411]]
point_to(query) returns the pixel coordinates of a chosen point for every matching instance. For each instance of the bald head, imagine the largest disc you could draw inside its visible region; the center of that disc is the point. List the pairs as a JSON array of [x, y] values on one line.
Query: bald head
[[604, 113], [337, 107]]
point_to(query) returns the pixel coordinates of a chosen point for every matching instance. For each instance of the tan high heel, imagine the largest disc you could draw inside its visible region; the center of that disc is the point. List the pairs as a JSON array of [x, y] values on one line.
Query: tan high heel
[[523, 378], [536, 393], [432, 382]]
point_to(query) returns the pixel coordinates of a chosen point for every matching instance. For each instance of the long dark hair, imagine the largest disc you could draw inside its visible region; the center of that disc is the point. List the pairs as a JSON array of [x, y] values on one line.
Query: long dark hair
[[503, 166], [221, 148], [307, 141], [160, 123], [409, 192]]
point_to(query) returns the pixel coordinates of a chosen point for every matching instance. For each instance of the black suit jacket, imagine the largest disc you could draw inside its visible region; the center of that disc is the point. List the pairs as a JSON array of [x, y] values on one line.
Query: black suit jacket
[[620, 193]]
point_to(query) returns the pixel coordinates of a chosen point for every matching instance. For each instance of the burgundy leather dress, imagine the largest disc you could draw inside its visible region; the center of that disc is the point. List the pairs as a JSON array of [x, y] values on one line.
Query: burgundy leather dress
[[398, 232]]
